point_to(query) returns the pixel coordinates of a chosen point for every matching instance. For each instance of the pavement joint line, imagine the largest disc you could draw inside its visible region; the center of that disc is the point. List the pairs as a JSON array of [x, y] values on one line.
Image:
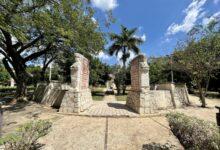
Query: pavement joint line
[[159, 123], [106, 135]]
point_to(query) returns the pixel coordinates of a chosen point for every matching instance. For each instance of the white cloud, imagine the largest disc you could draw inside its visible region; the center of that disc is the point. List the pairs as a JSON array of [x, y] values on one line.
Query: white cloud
[[94, 20], [143, 37], [207, 20], [166, 40], [132, 56], [105, 5], [103, 56], [216, 1], [193, 12]]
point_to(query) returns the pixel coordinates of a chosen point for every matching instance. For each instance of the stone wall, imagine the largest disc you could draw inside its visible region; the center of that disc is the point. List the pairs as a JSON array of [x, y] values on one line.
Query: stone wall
[[79, 98], [143, 100], [137, 98], [73, 98], [49, 94]]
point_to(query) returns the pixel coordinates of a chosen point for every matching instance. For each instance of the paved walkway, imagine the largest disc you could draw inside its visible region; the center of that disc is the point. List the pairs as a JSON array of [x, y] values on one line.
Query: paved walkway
[[99, 133], [109, 107]]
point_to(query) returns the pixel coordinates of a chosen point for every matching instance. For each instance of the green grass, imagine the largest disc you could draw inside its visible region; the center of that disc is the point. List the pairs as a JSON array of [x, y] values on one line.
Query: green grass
[[121, 97], [97, 94], [97, 98], [8, 88]]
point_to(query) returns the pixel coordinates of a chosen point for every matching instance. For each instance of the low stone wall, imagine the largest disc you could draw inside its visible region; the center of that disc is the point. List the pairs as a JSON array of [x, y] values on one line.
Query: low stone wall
[[166, 86], [49, 94], [149, 101], [75, 101], [143, 100], [73, 98]]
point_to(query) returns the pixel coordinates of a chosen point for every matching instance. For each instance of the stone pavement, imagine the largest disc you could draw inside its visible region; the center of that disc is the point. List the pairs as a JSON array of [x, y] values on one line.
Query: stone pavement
[[99, 133], [109, 107]]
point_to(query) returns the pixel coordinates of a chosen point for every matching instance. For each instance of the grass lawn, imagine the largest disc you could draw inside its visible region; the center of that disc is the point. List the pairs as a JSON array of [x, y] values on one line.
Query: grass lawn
[[98, 94], [121, 97]]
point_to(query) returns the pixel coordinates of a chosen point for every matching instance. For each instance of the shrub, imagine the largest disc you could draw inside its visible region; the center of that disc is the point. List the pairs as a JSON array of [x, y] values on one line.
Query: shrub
[[194, 133], [26, 136], [158, 146]]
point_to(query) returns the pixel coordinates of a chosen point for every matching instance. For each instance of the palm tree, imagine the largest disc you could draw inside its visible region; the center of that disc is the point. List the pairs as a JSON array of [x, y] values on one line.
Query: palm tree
[[125, 42]]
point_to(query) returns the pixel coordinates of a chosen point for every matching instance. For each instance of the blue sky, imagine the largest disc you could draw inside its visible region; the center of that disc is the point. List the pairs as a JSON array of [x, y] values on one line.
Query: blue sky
[[160, 22]]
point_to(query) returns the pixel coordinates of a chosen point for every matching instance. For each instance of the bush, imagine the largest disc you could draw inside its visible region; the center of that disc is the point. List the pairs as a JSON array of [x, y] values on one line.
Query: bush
[[194, 133], [158, 146], [26, 136]]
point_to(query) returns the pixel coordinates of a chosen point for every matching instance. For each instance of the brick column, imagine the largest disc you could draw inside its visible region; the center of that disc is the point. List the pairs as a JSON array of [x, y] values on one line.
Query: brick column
[[78, 97], [138, 97]]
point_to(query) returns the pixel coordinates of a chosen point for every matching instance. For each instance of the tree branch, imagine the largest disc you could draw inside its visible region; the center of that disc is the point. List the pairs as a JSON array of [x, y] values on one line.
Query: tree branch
[[6, 56], [7, 36], [38, 54], [30, 44], [8, 68], [17, 45]]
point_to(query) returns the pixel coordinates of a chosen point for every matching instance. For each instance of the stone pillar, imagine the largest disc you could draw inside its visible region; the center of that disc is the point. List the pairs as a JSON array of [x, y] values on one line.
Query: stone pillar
[[78, 97], [138, 98]]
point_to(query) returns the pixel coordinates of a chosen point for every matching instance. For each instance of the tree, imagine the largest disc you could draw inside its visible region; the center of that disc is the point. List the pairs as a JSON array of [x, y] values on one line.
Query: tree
[[199, 59], [30, 29], [4, 76], [99, 72], [160, 71], [125, 42]]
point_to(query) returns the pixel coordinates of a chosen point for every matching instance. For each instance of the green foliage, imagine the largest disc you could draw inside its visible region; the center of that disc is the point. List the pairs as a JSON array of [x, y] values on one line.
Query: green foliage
[[45, 28], [4, 75], [120, 79], [159, 70], [199, 57], [26, 136], [194, 133], [35, 73], [99, 71], [158, 146], [125, 42]]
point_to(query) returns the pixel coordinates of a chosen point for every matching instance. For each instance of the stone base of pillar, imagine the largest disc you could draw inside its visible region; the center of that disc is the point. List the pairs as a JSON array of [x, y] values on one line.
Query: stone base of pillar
[[141, 103], [76, 101]]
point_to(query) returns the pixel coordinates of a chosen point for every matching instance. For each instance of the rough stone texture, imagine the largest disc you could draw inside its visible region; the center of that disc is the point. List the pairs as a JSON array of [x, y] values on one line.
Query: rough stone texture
[[139, 74], [75, 97], [78, 98], [143, 100], [138, 96], [49, 94]]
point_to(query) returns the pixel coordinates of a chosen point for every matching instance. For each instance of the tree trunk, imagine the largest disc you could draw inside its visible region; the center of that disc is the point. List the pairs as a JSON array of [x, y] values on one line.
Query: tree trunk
[[42, 74], [21, 90], [207, 85], [124, 89], [201, 95], [22, 79], [118, 89]]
